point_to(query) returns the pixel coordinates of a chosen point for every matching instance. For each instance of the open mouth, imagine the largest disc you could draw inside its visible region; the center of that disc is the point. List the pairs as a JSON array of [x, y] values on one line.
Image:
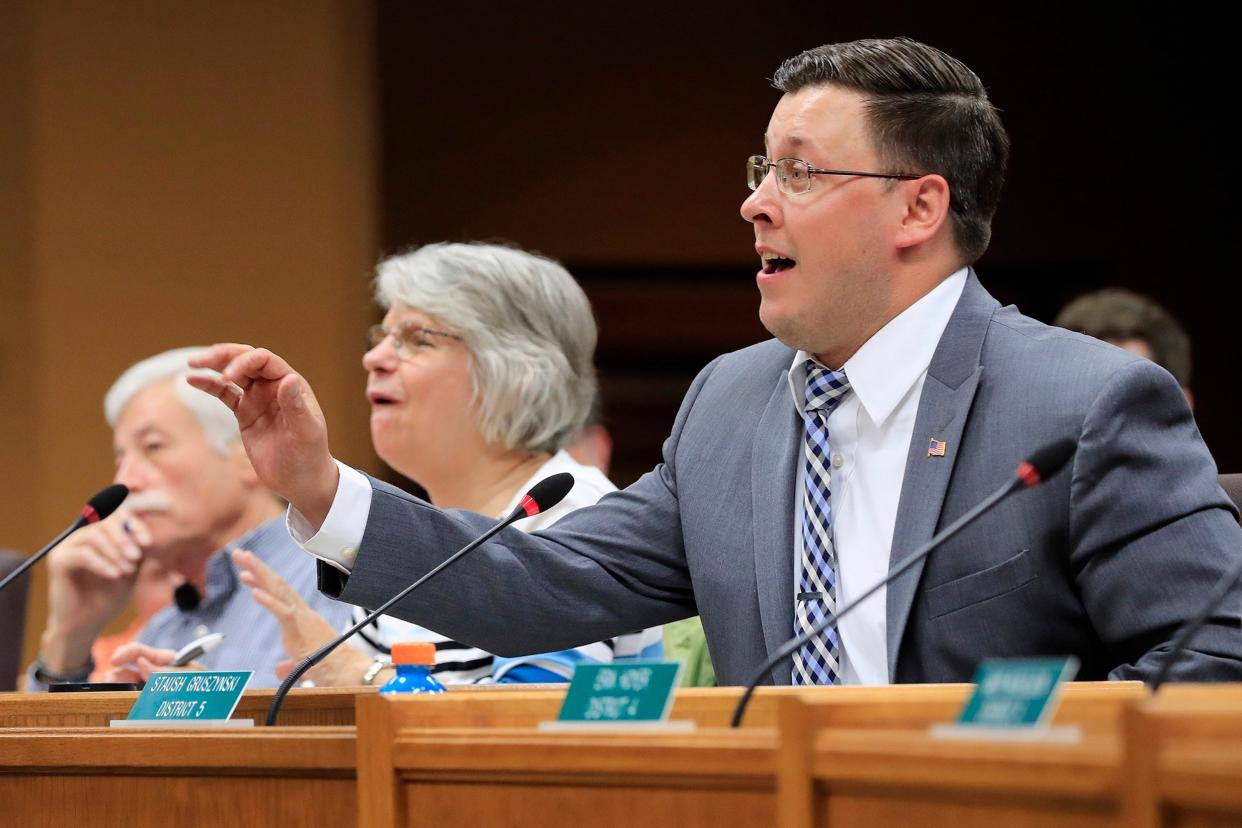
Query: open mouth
[[380, 400], [776, 264]]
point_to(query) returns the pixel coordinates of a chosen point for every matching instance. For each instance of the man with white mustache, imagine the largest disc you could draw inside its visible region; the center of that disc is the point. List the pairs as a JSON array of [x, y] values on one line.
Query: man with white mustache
[[194, 498]]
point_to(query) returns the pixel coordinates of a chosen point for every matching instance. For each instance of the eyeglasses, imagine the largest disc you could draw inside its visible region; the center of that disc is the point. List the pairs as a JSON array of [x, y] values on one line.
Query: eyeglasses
[[408, 337], [793, 175]]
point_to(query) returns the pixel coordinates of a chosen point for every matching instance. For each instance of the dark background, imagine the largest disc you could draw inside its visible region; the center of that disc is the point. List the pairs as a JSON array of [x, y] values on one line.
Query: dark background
[[613, 137]]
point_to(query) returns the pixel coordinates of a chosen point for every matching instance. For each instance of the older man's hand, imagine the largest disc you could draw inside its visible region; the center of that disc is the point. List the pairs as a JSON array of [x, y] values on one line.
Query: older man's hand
[[282, 426], [90, 577]]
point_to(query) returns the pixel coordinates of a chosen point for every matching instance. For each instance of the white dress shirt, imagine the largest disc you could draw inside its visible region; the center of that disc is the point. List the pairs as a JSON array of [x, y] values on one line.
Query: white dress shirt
[[869, 433], [336, 543]]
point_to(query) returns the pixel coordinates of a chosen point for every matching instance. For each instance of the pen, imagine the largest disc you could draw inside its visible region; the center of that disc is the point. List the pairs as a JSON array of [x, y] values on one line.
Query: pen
[[196, 648]]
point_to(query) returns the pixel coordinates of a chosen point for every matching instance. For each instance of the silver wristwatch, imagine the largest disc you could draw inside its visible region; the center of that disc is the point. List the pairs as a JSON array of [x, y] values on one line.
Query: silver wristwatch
[[373, 670]]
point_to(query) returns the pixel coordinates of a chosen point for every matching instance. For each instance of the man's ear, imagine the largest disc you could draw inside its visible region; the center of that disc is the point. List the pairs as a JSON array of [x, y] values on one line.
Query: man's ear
[[926, 209]]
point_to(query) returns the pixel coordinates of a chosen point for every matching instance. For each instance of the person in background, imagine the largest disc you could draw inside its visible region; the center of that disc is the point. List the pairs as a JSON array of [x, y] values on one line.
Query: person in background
[[479, 375], [591, 445], [1138, 324], [686, 642], [193, 496]]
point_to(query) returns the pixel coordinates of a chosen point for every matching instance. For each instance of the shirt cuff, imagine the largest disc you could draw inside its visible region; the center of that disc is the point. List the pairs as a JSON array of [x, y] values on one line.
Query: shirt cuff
[[337, 541]]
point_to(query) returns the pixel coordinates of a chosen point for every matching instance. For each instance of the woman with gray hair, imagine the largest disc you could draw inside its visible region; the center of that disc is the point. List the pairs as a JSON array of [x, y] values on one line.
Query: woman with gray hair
[[480, 373]]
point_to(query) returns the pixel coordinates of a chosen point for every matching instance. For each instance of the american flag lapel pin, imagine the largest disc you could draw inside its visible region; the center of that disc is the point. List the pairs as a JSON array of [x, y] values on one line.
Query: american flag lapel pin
[[936, 448]]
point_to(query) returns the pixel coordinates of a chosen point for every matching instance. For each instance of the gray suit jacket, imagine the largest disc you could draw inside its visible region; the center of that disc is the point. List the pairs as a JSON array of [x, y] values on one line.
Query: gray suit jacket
[[1104, 561]]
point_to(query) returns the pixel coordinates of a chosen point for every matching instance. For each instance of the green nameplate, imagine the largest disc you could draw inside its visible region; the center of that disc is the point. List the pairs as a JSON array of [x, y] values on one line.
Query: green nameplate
[[1017, 692], [637, 691], [189, 697]]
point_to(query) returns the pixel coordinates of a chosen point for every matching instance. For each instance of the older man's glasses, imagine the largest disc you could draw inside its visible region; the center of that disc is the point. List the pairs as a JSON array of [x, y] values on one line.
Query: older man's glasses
[[408, 338], [793, 175]]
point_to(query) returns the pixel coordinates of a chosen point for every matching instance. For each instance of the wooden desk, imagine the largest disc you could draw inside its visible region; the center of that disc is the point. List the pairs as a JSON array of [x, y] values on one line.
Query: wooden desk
[[808, 756]]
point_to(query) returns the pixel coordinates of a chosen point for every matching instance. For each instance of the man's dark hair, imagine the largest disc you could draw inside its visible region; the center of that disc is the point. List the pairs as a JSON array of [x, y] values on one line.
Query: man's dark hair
[[926, 113], [1117, 314]]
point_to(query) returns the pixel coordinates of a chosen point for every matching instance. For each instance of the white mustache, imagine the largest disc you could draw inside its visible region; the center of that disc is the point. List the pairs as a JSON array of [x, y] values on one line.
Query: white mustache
[[153, 501]]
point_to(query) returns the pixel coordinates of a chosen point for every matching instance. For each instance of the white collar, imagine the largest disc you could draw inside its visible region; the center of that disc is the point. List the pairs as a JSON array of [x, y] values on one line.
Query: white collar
[[888, 364]]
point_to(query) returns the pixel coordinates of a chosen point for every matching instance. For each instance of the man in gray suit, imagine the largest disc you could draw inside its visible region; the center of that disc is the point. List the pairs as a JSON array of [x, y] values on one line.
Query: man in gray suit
[[897, 395]]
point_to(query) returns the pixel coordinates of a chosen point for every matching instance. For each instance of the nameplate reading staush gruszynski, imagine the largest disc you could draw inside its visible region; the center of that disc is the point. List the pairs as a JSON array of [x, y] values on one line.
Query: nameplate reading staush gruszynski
[[189, 697]]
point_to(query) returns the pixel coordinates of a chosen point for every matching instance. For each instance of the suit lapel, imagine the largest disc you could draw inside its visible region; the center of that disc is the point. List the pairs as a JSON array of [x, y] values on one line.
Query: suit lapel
[[949, 390], [773, 468]]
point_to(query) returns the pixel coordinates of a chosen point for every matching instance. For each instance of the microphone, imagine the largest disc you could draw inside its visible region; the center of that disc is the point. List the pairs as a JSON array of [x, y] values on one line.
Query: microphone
[[1041, 465], [542, 496], [186, 597], [96, 509]]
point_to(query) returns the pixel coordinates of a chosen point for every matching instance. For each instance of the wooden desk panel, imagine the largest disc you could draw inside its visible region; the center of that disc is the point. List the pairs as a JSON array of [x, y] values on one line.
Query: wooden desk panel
[[238, 778], [1184, 758], [474, 761], [872, 761], [888, 778], [525, 778]]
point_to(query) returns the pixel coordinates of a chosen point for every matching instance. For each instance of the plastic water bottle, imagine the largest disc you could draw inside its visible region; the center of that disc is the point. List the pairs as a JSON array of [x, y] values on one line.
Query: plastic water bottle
[[413, 660]]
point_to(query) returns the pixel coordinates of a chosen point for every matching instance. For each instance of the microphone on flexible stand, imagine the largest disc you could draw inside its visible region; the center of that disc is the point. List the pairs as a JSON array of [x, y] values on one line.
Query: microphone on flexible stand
[[96, 509], [1041, 465], [543, 496]]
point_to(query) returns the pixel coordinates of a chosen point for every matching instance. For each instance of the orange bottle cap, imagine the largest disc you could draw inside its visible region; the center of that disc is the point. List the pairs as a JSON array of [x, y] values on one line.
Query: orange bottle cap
[[414, 652]]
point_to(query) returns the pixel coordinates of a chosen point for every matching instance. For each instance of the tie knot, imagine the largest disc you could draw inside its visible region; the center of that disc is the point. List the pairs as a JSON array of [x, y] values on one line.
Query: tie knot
[[825, 388]]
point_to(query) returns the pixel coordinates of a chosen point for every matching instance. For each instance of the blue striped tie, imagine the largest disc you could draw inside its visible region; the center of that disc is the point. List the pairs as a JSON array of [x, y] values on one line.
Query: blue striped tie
[[819, 660]]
